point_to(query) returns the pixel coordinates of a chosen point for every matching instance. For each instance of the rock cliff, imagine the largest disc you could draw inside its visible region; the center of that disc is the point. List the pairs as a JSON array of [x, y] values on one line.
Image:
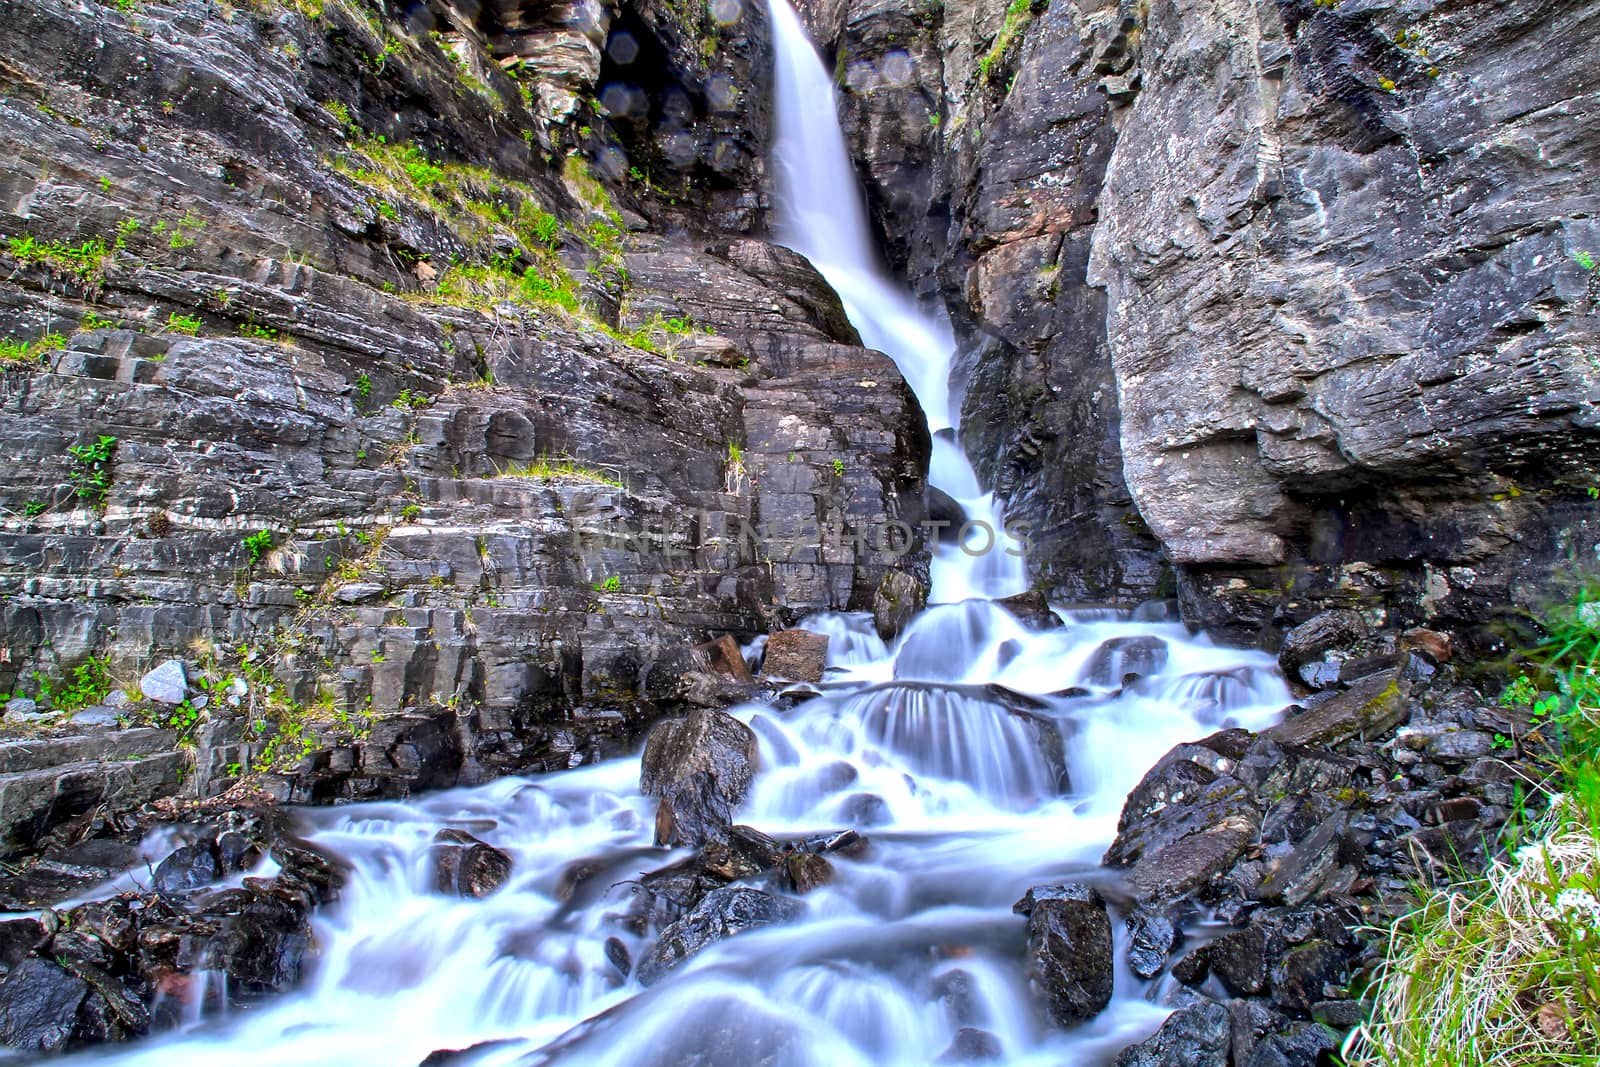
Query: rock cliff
[[342, 360], [1301, 293]]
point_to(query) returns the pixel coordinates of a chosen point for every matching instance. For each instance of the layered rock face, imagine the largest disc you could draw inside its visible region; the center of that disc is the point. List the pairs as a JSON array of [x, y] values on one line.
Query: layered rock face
[[342, 363], [1315, 278]]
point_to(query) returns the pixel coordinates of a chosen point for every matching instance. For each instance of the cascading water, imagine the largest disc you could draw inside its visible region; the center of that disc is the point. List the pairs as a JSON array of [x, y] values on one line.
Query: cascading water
[[980, 757]]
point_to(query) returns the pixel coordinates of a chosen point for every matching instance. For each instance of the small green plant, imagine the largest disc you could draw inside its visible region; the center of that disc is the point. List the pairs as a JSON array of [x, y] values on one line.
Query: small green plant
[[258, 331], [183, 233], [388, 211], [408, 400], [838, 468], [91, 469], [611, 584], [1585, 260], [257, 545], [34, 507], [91, 321], [105, 184], [188, 325], [19, 352], [410, 512]]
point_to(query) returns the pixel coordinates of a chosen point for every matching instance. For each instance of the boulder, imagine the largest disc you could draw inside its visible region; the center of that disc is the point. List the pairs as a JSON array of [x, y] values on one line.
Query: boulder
[[700, 767], [167, 684], [723, 913], [1150, 940], [1301, 1045], [466, 867], [805, 871], [1032, 608], [188, 867], [1121, 658], [39, 1004], [971, 1045], [1339, 630], [1069, 951], [896, 602], [1197, 1036], [795, 656], [1368, 709], [726, 658]]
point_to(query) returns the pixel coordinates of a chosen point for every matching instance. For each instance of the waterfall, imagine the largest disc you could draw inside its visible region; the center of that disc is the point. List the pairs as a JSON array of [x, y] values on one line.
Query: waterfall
[[822, 215], [954, 750]]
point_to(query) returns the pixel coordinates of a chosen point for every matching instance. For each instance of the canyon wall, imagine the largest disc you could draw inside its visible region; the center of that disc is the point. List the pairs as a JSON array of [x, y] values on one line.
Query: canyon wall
[[1293, 299]]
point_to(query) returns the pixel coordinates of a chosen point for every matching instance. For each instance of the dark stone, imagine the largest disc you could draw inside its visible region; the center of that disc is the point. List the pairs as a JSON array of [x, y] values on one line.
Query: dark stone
[[188, 867], [726, 658], [897, 600], [39, 1005], [971, 1045], [466, 867], [1340, 630], [1070, 965], [805, 871], [1367, 710], [1150, 940], [700, 767], [1302, 1045], [1122, 658], [1308, 974], [1032, 608], [723, 913], [1196, 1036]]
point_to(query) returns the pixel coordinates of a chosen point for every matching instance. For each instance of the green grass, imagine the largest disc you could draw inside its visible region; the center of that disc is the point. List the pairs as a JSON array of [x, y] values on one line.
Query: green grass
[[1018, 15], [1504, 969], [557, 469], [188, 325], [85, 261]]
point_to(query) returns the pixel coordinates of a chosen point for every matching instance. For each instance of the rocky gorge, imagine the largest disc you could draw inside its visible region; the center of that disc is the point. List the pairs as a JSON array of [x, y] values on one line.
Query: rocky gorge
[[409, 399]]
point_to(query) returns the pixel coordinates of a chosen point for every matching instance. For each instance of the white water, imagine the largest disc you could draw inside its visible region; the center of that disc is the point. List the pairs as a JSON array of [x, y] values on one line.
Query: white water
[[959, 792]]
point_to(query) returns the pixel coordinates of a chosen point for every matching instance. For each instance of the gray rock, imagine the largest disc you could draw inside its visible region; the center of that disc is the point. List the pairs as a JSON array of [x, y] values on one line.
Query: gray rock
[[188, 867], [467, 867], [1150, 940], [700, 767], [167, 684], [1302, 1045], [1459, 746], [1341, 630], [1121, 658], [98, 716], [722, 914], [896, 602], [1196, 1036], [1368, 709], [1070, 966], [39, 1006], [22, 708], [971, 1045], [117, 698]]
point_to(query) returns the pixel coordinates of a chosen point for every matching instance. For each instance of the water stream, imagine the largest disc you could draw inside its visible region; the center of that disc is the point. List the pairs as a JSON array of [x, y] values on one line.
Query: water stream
[[979, 756]]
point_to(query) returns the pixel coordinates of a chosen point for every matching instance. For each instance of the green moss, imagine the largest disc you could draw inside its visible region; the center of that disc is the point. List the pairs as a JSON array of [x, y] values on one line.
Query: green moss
[[1018, 16]]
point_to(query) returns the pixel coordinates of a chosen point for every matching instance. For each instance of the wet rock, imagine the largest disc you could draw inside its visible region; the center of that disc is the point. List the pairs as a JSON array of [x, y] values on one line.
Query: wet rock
[[18, 938], [865, 809], [723, 913], [1032, 608], [466, 867], [167, 684], [971, 1045], [727, 659], [262, 945], [746, 853], [1340, 630], [1122, 658], [1302, 1045], [805, 871], [1368, 709], [1238, 958], [1196, 1036], [1150, 939], [795, 656], [618, 956], [39, 1004], [896, 602], [1187, 821], [700, 767], [188, 867], [1307, 974], [1069, 951]]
